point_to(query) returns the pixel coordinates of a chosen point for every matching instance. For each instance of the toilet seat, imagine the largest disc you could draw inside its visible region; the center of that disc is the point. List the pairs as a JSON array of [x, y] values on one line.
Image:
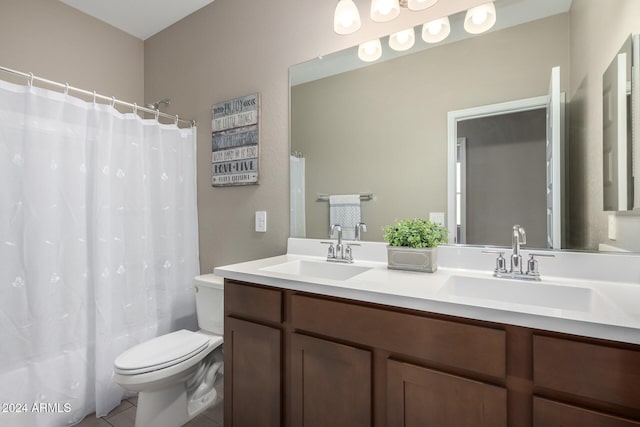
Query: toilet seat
[[161, 352]]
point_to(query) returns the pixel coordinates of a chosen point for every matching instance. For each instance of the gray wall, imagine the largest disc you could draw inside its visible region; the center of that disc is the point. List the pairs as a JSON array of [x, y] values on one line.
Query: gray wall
[[383, 128], [57, 42]]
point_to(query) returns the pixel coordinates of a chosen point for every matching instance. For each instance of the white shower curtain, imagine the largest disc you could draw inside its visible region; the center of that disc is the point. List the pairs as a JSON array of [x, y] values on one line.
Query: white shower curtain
[[98, 248]]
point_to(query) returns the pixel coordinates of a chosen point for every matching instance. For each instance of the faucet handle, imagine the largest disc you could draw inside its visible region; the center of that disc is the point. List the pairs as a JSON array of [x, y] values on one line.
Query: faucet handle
[[532, 264], [501, 262], [331, 252], [348, 252]]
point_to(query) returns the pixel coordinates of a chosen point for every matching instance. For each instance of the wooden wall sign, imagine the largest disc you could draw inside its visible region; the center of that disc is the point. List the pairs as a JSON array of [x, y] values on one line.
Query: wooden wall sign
[[235, 141]]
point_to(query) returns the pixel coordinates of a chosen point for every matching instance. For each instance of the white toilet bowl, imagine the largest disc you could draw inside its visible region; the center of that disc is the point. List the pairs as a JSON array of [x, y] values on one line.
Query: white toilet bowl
[[174, 373]]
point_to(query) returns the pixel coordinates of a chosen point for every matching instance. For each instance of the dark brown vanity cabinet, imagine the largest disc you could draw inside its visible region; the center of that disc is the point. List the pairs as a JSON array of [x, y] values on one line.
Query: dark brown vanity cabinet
[[296, 359], [252, 356]]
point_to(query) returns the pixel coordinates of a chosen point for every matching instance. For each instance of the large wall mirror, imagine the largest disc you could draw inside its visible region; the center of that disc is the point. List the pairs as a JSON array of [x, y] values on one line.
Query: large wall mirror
[[381, 129]]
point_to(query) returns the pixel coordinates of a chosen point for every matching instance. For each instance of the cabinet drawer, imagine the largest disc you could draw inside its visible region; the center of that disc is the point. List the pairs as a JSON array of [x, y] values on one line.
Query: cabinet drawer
[[593, 371], [252, 301], [469, 347], [547, 413]]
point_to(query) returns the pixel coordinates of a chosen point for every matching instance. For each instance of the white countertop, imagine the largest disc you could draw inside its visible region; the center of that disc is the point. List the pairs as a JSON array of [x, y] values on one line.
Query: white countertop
[[613, 310]]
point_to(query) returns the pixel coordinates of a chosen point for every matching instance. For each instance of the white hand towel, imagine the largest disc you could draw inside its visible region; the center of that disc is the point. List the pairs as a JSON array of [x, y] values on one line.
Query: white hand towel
[[344, 210]]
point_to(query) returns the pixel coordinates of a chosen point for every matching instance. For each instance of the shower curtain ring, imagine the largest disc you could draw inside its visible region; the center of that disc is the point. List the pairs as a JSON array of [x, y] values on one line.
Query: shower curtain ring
[[30, 81]]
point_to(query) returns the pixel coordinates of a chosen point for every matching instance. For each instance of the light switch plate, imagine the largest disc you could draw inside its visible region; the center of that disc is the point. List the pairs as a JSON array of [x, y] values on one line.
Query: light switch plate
[[261, 221], [436, 217]]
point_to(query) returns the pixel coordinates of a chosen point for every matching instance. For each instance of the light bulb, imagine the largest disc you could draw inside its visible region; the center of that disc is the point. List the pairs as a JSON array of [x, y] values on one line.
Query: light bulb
[[384, 10], [346, 18], [402, 40], [370, 51], [436, 31], [402, 37], [420, 4], [434, 27], [479, 16], [385, 7]]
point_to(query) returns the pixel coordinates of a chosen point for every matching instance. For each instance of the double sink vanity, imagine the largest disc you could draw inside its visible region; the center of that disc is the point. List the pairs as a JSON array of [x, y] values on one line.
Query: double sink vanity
[[315, 343]]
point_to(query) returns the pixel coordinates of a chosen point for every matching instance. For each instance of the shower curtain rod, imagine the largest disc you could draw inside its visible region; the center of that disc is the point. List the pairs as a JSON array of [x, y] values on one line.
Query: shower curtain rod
[[95, 96]]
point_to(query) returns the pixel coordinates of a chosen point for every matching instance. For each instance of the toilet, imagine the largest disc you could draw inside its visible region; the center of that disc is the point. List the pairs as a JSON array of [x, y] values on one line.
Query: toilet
[[174, 373]]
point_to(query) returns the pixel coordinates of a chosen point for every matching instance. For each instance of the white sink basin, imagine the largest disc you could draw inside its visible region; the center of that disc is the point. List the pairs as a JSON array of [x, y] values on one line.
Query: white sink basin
[[318, 269], [553, 296]]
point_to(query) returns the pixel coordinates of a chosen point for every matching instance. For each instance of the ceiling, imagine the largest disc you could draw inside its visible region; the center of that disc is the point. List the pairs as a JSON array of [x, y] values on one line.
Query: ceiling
[[140, 18]]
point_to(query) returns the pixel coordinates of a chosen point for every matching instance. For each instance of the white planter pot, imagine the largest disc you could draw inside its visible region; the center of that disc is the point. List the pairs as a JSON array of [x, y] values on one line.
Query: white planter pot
[[412, 259]]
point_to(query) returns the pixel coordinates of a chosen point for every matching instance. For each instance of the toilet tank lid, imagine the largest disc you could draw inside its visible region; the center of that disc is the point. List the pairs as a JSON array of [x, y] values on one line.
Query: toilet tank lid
[[210, 280]]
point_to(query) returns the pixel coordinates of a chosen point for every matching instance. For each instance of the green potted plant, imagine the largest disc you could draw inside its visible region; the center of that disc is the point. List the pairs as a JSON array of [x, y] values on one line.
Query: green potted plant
[[412, 244]]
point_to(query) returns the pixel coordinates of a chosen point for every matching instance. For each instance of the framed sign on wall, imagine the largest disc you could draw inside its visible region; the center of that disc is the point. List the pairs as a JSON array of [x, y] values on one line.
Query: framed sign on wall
[[235, 141]]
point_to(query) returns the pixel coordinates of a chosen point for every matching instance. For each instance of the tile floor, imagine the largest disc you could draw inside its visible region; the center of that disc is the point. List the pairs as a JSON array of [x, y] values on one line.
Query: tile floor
[[125, 414]]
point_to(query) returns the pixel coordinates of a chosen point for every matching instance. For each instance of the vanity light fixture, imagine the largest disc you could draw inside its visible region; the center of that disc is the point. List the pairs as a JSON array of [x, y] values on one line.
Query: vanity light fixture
[[384, 10], [346, 19], [370, 51], [480, 18], [436, 31], [402, 40]]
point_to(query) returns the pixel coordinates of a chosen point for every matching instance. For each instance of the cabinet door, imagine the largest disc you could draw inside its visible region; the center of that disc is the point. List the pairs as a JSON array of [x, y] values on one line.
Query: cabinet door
[[418, 396], [331, 384], [547, 413], [252, 357]]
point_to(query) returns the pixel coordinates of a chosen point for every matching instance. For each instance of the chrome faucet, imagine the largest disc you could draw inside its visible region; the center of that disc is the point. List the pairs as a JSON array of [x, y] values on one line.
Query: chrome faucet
[[518, 237], [360, 227], [339, 253], [339, 248]]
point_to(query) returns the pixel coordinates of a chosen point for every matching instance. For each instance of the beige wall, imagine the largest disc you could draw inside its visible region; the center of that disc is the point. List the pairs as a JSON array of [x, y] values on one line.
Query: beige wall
[[232, 48], [59, 43], [598, 30], [383, 129]]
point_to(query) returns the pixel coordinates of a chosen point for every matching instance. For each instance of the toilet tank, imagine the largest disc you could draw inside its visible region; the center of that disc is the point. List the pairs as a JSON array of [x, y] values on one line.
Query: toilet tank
[[210, 303]]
